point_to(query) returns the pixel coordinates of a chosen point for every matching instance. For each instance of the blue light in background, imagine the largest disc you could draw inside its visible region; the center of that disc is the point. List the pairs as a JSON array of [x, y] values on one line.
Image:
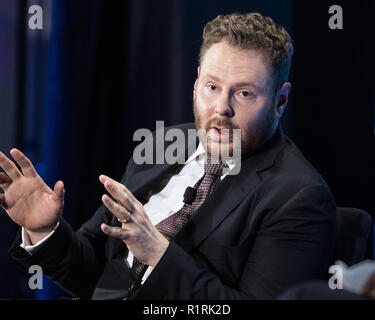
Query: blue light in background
[[41, 169], [44, 88], [50, 134]]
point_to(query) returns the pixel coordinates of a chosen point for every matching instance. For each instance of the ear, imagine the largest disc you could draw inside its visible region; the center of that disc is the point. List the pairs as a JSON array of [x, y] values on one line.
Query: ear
[[282, 98]]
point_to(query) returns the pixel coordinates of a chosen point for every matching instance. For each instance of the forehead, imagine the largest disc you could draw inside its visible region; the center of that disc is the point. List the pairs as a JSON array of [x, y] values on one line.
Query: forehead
[[231, 64]]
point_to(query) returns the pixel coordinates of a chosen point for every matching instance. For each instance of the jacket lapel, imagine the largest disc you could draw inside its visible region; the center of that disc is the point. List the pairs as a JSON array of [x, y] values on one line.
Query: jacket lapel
[[150, 180], [144, 181], [156, 176], [228, 194]]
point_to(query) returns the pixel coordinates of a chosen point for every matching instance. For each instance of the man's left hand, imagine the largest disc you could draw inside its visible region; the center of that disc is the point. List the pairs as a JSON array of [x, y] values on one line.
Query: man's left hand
[[141, 237]]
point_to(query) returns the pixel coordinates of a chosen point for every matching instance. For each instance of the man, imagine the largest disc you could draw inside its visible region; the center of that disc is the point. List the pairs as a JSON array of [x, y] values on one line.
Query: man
[[236, 236]]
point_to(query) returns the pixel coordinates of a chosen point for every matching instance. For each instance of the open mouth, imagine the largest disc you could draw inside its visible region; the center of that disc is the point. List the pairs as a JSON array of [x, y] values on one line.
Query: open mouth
[[220, 132]]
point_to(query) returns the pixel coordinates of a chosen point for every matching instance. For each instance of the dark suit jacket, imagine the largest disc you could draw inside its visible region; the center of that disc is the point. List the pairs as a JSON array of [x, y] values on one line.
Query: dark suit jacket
[[261, 231]]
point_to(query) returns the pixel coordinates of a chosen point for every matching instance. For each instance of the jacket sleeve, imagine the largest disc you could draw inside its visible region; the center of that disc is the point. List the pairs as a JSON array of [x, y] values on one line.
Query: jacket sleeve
[[73, 260], [292, 244]]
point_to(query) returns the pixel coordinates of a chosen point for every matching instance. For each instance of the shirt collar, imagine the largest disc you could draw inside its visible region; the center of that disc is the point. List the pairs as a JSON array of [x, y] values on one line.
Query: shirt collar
[[201, 152]]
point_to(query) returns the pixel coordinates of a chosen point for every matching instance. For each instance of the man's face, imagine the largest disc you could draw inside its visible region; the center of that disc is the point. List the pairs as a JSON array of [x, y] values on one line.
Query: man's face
[[234, 90]]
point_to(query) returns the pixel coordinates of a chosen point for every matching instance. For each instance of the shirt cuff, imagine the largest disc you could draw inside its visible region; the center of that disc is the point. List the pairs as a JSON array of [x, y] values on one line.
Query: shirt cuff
[[26, 240]]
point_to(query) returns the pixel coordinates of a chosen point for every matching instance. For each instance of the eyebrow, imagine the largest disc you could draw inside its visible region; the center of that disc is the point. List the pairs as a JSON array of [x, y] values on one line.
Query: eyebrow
[[239, 84]]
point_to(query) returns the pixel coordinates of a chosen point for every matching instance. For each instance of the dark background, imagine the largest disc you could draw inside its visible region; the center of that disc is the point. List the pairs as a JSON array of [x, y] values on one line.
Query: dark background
[[72, 94]]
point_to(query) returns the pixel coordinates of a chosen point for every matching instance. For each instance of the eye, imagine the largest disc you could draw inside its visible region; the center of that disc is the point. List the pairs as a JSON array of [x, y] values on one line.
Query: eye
[[212, 87], [245, 94]]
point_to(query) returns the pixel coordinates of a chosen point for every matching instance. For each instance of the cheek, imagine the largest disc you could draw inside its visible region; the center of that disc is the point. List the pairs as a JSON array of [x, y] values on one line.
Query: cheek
[[249, 121], [203, 106], [245, 119], [201, 99]]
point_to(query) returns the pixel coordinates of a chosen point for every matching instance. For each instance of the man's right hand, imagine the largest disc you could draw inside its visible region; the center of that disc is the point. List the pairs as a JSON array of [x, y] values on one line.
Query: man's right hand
[[28, 201]]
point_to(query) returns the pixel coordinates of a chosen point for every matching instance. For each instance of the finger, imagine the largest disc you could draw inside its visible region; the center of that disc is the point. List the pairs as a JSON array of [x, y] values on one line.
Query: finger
[[120, 193], [25, 164], [5, 181], [9, 167], [121, 186], [119, 211], [130, 194], [114, 232], [59, 190]]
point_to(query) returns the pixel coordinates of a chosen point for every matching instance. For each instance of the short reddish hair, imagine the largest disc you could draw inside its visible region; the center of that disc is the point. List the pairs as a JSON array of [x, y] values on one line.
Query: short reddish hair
[[253, 31]]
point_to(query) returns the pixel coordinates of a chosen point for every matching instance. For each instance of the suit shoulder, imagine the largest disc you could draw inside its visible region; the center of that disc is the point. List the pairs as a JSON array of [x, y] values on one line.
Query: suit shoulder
[[291, 167]]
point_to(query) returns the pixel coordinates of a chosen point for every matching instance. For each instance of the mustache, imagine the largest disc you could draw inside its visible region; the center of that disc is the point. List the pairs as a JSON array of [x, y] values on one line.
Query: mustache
[[223, 122]]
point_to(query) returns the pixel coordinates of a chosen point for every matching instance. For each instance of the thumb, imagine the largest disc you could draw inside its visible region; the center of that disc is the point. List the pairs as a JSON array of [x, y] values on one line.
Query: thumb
[[59, 190]]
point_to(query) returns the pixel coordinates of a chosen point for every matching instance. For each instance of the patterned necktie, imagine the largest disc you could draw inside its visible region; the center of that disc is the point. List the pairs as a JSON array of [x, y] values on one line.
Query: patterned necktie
[[170, 226]]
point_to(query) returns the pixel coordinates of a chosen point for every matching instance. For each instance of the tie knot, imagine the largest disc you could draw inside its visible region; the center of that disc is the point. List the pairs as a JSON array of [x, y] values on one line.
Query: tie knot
[[213, 167]]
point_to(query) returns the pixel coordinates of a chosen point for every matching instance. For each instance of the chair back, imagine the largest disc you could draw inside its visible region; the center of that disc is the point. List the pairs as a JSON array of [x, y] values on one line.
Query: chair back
[[354, 226]]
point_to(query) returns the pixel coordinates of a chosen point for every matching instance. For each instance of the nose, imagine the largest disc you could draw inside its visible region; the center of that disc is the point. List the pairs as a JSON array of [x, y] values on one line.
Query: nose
[[223, 106]]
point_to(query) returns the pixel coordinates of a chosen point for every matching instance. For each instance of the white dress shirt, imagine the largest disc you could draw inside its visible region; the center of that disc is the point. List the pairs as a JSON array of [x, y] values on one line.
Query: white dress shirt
[[163, 204]]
